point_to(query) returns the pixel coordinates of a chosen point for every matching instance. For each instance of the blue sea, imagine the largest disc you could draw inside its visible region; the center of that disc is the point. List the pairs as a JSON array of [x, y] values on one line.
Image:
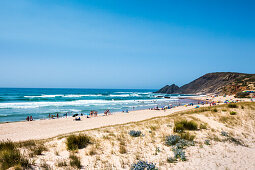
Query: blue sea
[[18, 103]]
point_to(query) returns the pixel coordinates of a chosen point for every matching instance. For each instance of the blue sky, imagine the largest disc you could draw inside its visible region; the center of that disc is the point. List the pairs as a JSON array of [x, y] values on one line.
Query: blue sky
[[122, 44]]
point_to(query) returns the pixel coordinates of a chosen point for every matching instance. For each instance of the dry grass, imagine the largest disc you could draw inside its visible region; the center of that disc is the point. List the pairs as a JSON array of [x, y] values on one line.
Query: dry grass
[[113, 148]]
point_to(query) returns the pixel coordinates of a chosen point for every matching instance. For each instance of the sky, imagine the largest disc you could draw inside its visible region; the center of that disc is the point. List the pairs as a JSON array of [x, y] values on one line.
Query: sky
[[122, 44]]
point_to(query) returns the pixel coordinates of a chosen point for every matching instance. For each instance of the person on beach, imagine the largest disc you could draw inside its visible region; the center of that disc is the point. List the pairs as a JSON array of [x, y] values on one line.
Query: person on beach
[[27, 118], [57, 115], [49, 115], [31, 118]]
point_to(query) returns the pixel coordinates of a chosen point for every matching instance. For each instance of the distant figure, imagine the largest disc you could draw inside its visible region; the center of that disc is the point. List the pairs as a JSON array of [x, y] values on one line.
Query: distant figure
[[31, 118], [57, 115], [81, 114], [49, 115], [27, 118], [127, 111]]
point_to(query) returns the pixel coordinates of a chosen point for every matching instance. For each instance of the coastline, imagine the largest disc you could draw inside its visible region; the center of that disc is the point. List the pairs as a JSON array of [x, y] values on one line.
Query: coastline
[[48, 128]]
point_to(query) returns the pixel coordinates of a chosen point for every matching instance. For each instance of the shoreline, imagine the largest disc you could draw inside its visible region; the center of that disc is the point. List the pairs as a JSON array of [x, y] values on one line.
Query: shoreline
[[49, 128], [99, 114]]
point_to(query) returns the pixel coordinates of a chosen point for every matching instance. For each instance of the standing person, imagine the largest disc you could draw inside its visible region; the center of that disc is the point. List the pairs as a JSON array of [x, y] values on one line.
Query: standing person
[[49, 115], [27, 118], [31, 118], [57, 115]]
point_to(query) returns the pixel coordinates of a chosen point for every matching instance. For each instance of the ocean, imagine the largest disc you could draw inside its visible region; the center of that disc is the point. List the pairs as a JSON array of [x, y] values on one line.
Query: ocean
[[18, 103]]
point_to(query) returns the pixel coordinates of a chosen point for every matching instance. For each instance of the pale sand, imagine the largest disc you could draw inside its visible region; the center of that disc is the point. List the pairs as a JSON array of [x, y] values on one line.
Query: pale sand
[[42, 129]]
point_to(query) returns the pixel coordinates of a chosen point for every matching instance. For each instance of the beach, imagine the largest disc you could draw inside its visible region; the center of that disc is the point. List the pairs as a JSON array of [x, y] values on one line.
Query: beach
[[48, 128], [222, 140]]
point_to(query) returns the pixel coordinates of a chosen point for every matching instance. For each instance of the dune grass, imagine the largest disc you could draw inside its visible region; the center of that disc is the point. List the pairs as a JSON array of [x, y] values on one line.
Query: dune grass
[[75, 142]]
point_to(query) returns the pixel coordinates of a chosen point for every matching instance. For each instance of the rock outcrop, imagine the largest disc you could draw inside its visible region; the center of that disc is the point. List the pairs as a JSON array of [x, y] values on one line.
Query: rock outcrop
[[168, 89], [219, 82]]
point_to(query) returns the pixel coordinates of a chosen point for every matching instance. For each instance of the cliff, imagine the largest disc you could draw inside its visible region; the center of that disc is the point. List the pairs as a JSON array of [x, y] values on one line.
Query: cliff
[[218, 83]]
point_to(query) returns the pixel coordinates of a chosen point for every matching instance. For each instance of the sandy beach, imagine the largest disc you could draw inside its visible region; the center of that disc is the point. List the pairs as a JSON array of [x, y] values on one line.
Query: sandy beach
[[42, 129], [48, 128]]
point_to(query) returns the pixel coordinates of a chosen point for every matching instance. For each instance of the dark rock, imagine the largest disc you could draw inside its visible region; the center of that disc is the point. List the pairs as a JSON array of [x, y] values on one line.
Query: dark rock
[[168, 89]]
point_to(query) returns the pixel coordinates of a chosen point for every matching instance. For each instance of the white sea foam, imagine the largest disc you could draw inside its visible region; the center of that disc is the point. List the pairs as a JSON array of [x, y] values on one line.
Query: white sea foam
[[25, 105], [45, 96], [82, 95]]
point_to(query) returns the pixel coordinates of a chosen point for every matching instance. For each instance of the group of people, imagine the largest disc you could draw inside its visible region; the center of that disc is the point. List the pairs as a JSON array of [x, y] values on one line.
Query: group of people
[[53, 116], [29, 118]]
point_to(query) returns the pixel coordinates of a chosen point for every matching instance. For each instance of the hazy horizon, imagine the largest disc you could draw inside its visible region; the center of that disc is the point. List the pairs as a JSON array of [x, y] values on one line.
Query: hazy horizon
[[122, 44]]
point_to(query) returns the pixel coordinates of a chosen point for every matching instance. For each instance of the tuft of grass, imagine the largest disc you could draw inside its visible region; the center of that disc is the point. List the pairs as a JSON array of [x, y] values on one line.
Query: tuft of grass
[[123, 149], [207, 142], [61, 163], [171, 159], [45, 166], [182, 125], [75, 161], [232, 113], [7, 145], [232, 105], [27, 144], [187, 136], [75, 142], [37, 150], [203, 126], [214, 110], [10, 156]]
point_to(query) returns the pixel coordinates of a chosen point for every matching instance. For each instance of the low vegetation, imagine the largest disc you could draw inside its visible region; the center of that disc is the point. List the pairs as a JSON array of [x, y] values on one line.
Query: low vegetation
[[232, 105], [170, 137], [75, 161], [232, 113], [75, 142], [135, 133], [10, 156], [141, 165], [182, 125]]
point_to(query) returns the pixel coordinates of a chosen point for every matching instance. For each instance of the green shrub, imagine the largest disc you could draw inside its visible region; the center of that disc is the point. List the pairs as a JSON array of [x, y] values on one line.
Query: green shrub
[[232, 105], [75, 161], [172, 140], [75, 142], [232, 113], [214, 110], [135, 133], [179, 126]]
